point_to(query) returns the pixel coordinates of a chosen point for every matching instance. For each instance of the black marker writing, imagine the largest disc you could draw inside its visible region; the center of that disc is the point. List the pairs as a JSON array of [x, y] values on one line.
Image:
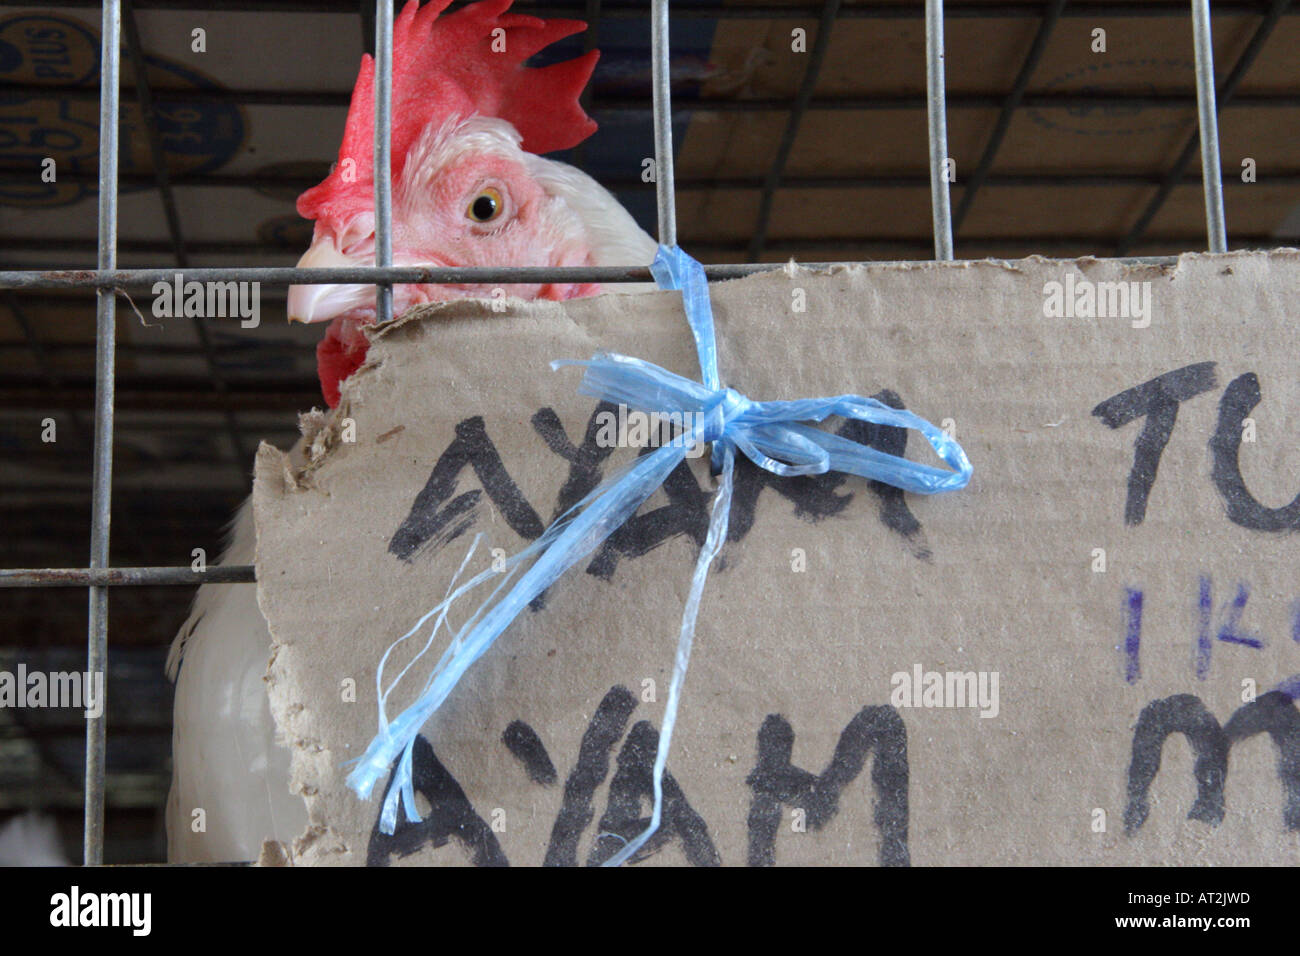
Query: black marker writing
[[622, 820], [522, 741], [436, 517], [776, 782], [1185, 714], [602, 733], [430, 522], [1157, 401], [1239, 398], [450, 816]]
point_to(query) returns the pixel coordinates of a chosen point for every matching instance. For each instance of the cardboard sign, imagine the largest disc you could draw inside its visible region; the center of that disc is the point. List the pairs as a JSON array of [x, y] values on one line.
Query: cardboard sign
[[1088, 656]]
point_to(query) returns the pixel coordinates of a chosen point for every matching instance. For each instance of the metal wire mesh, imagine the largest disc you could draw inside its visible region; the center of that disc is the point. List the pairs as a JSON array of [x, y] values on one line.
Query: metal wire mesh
[[99, 576]]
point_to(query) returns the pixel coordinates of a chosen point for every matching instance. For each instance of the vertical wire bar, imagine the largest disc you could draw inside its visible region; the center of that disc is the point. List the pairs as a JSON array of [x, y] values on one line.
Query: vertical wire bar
[[1174, 176], [1208, 123], [936, 97], [102, 490], [663, 117], [383, 153]]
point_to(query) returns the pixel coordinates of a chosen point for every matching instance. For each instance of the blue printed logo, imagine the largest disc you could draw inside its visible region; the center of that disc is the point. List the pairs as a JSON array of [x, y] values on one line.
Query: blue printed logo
[[60, 52]]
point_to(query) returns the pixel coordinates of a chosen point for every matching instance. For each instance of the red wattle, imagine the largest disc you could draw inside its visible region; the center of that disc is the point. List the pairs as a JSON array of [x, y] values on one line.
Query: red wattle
[[340, 353]]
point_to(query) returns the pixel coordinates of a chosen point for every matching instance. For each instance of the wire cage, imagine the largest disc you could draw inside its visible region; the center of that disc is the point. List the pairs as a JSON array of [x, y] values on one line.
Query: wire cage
[[107, 280]]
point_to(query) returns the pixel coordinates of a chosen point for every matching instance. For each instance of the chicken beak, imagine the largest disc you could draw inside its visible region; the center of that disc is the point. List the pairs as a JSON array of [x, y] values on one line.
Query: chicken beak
[[321, 303]]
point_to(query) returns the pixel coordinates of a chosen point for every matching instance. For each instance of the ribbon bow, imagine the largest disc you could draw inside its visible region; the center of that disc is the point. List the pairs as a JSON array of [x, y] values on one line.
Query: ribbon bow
[[773, 435]]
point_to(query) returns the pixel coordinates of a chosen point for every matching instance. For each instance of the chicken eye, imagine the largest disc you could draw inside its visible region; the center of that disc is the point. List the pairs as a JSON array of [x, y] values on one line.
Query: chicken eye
[[486, 206]]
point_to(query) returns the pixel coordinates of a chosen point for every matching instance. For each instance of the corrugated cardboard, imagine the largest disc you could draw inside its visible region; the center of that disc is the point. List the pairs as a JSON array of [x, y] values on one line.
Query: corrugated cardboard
[[1124, 565]]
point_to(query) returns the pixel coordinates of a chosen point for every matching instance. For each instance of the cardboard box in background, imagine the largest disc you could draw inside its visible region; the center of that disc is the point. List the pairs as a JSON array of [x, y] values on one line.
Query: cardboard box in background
[[1115, 595]]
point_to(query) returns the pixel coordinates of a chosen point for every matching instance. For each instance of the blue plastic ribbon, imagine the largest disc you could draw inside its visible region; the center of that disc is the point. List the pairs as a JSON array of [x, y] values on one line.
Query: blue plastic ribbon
[[773, 435]]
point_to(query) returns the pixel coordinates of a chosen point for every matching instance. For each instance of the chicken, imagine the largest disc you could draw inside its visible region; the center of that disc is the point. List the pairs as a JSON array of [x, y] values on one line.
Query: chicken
[[470, 188]]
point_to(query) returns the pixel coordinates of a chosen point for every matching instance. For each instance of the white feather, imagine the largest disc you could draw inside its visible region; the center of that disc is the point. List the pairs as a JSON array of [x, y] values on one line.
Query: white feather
[[225, 759], [613, 236], [31, 839]]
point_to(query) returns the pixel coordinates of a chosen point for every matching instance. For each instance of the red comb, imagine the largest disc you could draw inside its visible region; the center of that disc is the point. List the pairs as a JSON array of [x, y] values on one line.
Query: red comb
[[446, 67]]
